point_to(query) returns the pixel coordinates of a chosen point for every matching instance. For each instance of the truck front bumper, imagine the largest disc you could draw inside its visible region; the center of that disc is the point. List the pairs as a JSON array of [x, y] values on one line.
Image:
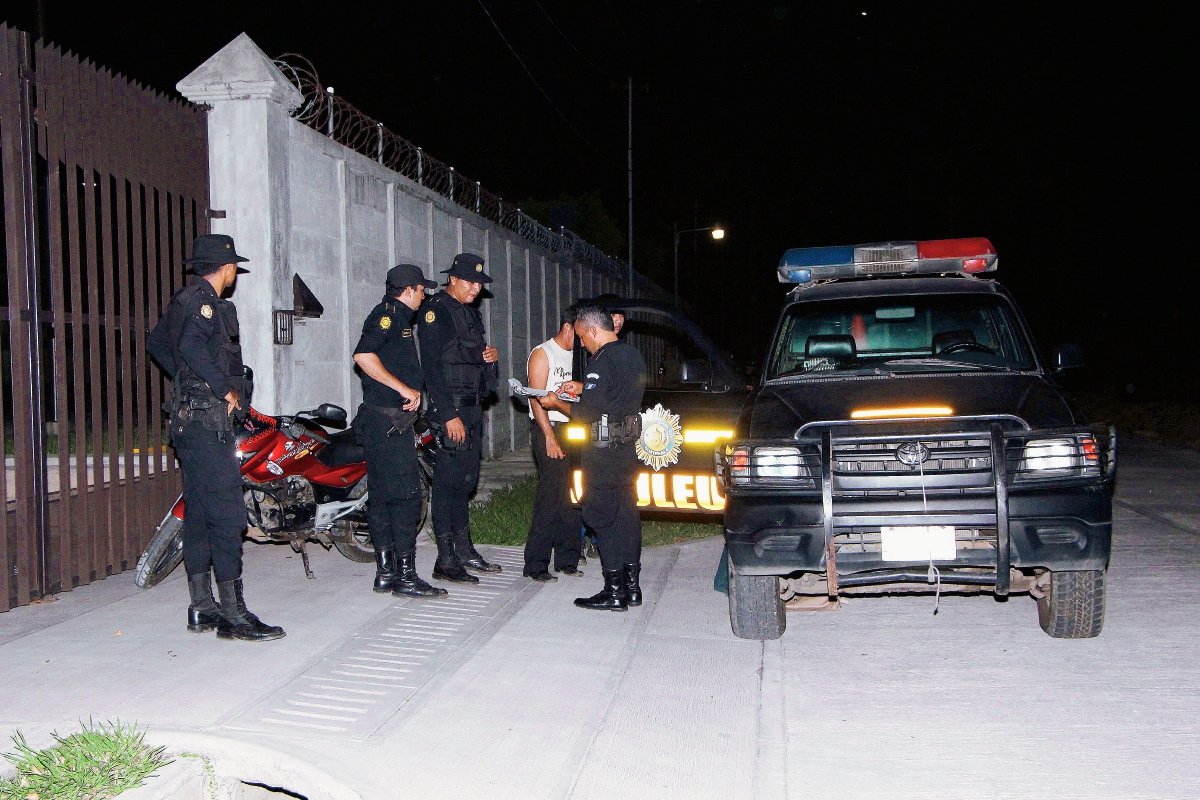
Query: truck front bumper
[[1063, 526]]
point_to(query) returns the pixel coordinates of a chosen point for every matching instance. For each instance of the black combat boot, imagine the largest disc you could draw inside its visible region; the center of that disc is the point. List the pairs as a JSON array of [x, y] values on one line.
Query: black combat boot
[[408, 583], [611, 597], [385, 569], [448, 567], [203, 615], [464, 548], [236, 620], [633, 589]]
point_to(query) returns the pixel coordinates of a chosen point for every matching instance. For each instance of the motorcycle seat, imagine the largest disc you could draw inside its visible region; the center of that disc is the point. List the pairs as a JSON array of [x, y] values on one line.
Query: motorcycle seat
[[343, 449]]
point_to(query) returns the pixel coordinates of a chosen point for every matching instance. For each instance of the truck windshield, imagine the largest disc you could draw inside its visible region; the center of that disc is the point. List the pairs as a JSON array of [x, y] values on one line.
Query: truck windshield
[[900, 333]]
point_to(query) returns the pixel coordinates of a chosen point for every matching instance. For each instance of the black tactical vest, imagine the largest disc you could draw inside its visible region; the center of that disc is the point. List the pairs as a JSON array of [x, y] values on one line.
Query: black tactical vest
[[462, 357], [192, 398]]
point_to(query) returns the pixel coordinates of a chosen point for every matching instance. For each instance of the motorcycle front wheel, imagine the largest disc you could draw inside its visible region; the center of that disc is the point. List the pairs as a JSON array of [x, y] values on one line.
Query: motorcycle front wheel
[[162, 555]]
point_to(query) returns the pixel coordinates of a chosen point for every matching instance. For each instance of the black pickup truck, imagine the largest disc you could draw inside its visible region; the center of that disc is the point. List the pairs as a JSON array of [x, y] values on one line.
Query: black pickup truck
[[907, 436]]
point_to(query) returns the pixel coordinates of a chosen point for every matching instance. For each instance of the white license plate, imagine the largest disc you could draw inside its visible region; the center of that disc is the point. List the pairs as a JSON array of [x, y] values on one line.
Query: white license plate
[[918, 543]]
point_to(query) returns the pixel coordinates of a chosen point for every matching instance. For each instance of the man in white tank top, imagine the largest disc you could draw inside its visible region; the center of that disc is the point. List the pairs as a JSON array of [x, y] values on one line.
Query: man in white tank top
[[555, 524]]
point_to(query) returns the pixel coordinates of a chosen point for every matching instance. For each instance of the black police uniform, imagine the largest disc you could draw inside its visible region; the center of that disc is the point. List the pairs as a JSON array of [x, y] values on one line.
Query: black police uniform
[[452, 344], [197, 344], [384, 429], [613, 384]]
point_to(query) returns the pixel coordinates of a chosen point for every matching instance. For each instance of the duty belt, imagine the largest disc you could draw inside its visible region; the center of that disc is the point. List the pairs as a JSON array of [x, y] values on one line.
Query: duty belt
[[464, 400], [627, 431]]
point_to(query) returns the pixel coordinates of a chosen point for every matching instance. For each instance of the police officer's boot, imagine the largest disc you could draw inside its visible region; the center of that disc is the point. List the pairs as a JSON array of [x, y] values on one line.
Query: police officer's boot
[[448, 567], [202, 613], [236, 620], [633, 589], [408, 583], [385, 569], [464, 548], [611, 597]]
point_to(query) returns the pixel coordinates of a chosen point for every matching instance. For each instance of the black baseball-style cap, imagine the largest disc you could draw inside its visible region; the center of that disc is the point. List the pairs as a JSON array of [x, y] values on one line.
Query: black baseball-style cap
[[214, 248], [402, 276], [469, 267]]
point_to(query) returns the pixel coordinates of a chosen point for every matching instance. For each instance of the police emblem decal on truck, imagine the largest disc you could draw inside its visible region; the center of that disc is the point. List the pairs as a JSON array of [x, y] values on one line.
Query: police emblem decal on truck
[[661, 439]]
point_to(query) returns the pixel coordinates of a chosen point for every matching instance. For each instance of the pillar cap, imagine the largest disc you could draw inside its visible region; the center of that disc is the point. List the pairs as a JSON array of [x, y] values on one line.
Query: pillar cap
[[239, 71]]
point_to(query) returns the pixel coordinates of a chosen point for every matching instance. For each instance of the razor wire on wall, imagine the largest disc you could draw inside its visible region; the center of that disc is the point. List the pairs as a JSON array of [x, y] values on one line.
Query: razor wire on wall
[[328, 113]]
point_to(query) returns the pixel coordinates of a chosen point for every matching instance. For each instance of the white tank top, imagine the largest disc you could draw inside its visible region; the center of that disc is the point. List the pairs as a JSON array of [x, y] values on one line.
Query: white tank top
[[560, 371]]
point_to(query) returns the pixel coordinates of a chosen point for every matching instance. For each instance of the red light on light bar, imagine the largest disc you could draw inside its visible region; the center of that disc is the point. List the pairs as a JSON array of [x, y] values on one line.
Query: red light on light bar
[[955, 248], [974, 265]]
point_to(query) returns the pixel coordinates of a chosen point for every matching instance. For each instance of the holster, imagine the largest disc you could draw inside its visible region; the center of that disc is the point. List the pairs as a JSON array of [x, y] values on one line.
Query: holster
[[401, 420], [445, 442]]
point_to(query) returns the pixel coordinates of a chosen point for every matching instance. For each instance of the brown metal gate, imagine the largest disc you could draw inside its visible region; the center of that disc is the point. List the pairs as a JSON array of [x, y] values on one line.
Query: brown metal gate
[[104, 185]]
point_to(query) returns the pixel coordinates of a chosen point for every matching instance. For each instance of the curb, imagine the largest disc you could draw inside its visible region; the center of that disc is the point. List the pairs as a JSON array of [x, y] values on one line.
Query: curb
[[252, 763]]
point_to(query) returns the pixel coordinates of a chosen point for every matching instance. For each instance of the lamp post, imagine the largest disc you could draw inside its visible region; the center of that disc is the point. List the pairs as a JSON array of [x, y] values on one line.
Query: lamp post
[[718, 233]]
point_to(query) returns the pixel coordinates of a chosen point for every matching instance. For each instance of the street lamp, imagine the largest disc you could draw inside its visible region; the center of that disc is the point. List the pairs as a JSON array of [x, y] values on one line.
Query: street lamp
[[717, 233]]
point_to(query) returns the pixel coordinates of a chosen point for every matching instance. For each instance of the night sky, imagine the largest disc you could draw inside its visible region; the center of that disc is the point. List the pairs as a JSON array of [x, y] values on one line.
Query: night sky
[[1056, 131]]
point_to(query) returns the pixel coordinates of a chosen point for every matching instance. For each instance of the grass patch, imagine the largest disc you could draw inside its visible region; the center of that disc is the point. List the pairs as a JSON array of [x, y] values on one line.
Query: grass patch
[[98, 762], [505, 517], [1166, 421]]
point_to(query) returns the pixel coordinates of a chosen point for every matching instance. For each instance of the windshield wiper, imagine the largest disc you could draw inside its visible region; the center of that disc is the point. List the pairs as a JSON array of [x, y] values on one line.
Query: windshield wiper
[[828, 373], [947, 362]]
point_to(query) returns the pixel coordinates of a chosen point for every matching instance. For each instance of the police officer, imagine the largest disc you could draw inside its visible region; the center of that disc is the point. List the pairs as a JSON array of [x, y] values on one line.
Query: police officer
[[610, 406], [460, 370], [392, 381], [196, 344]]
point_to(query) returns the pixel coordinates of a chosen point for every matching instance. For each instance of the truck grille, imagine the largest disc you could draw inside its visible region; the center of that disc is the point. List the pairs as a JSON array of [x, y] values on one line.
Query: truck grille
[[871, 466]]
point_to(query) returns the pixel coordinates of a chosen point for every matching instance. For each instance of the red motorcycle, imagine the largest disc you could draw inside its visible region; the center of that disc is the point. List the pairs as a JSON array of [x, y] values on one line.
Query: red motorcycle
[[302, 483]]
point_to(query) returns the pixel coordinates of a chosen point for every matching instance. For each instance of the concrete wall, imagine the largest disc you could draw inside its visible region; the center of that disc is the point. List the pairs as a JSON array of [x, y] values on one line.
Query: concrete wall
[[297, 202]]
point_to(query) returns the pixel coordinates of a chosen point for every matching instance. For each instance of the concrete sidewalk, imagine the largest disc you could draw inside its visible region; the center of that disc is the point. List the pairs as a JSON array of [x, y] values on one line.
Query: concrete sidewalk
[[505, 690]]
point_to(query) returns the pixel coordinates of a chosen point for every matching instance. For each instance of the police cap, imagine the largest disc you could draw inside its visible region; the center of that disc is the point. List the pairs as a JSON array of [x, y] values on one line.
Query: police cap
[[211, 251], [469, 267], [402, 276]]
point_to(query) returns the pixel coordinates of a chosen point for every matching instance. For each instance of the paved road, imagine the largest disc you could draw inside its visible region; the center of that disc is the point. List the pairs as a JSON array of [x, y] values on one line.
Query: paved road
[[506, 691]]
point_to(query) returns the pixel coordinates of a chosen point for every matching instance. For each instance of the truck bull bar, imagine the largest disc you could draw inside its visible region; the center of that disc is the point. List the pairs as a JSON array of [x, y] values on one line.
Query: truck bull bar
[[1000, 579]]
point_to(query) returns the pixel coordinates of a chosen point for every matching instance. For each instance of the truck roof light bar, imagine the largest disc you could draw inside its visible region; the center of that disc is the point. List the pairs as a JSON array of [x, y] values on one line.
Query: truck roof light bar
[[802, 265]]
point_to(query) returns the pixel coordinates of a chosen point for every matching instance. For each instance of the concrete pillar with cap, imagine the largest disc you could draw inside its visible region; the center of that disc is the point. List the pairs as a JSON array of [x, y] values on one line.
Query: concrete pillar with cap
[[250, 102]]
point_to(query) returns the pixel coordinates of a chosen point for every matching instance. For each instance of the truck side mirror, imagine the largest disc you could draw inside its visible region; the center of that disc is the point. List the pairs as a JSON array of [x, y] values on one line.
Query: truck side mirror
[[1067, 356]]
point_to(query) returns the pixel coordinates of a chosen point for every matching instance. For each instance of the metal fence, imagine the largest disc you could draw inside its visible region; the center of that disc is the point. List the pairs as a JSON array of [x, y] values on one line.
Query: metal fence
[[329, 113], [104, 184]]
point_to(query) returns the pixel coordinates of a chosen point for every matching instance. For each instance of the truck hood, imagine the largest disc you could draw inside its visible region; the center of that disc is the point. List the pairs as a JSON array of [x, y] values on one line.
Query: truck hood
[[777, 411]]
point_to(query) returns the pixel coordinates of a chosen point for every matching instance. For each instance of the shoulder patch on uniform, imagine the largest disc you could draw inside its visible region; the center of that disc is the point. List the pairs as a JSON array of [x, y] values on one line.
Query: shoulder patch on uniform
[[206, 311], [385, 322], [430, 316]]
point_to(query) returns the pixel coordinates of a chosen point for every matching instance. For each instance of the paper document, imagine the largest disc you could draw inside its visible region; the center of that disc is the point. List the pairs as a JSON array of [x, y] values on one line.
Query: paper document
[[518, 390]]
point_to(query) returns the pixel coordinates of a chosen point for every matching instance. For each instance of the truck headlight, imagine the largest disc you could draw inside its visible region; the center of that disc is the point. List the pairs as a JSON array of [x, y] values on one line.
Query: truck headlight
[[1048, 454], [777, 462], [1077, 455]]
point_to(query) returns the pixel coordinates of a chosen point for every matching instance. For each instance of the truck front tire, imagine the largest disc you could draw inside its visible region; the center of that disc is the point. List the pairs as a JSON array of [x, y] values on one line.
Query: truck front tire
[[755, 608], [1074, 606]]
